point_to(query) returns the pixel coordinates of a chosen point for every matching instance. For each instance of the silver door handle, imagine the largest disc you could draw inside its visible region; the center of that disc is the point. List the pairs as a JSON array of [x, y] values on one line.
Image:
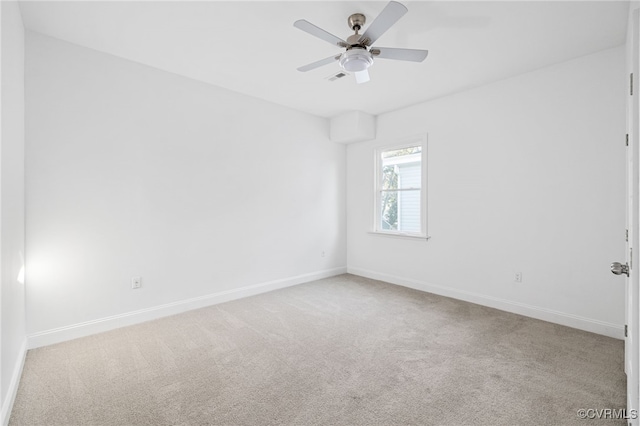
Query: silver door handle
[[619, 269]]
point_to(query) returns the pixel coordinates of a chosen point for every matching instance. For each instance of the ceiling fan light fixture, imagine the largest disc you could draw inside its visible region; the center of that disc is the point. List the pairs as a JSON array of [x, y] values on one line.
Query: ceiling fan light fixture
[[355, 60]]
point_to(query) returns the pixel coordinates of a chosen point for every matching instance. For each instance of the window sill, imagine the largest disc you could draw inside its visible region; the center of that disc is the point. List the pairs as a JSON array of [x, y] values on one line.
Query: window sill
[[400, 235]]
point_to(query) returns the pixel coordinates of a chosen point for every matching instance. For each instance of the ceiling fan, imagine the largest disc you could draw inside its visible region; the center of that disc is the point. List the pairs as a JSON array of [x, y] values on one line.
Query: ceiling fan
[[359, 54]]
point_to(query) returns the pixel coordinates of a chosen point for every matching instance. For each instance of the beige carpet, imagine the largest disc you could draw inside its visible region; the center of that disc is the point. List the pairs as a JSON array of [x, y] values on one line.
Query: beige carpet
[[340, 351]]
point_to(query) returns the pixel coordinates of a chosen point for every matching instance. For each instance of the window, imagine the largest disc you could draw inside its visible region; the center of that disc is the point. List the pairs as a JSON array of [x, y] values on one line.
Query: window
[[400, 204]]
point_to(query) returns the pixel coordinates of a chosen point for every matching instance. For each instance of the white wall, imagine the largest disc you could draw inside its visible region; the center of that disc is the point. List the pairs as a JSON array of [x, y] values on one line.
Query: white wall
[[12, 228], [132, 171], [528, 175]]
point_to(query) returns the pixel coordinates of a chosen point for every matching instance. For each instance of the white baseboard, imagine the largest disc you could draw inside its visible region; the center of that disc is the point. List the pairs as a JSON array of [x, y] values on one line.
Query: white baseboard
[[557, 317], [7, 404], [61, 334]]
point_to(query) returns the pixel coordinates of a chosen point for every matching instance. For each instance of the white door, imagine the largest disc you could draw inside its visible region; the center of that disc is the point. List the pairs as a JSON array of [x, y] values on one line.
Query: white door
[[632, 327]]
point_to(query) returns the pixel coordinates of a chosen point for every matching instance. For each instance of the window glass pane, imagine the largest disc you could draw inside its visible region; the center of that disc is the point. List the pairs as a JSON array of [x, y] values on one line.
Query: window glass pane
[[400, 210], [389, 210], [409, 211], [401, 168], [389, 177], [400, 152]]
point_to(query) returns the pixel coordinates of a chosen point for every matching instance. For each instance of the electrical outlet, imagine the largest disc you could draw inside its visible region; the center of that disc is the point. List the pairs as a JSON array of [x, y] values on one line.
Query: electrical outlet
[[136, 282], [517, 277]]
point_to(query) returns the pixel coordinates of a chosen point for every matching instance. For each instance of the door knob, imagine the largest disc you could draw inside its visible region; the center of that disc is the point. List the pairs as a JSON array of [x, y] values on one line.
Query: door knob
[[619, 269]]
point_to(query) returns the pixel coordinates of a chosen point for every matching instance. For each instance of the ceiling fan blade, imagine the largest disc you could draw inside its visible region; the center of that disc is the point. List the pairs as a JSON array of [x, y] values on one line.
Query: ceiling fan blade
[[362, 76], [389, 16], [318, 64], [414, 55], [308, 27]]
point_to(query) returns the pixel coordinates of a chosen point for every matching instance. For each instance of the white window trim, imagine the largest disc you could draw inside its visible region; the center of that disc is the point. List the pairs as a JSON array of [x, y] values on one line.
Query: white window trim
[[406, 143]]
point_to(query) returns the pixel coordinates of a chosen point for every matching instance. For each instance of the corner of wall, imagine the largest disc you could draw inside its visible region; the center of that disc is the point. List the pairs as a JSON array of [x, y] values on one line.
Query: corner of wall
[[7, 404], [12, 214]]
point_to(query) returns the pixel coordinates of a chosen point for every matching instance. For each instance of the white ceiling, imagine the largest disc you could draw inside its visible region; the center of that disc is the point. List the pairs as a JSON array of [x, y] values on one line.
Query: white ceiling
[[253, 47]]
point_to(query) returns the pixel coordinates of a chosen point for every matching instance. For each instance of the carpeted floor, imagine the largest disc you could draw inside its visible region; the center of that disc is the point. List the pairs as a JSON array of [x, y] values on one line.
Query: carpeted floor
[[341, 351]]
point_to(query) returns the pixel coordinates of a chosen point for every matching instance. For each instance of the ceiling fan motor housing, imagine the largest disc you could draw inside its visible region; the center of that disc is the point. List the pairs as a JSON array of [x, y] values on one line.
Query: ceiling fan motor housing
[[356, 21]]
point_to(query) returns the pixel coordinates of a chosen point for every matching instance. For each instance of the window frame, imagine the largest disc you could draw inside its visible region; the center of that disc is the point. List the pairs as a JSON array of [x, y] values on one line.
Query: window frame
[[419, 140]]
